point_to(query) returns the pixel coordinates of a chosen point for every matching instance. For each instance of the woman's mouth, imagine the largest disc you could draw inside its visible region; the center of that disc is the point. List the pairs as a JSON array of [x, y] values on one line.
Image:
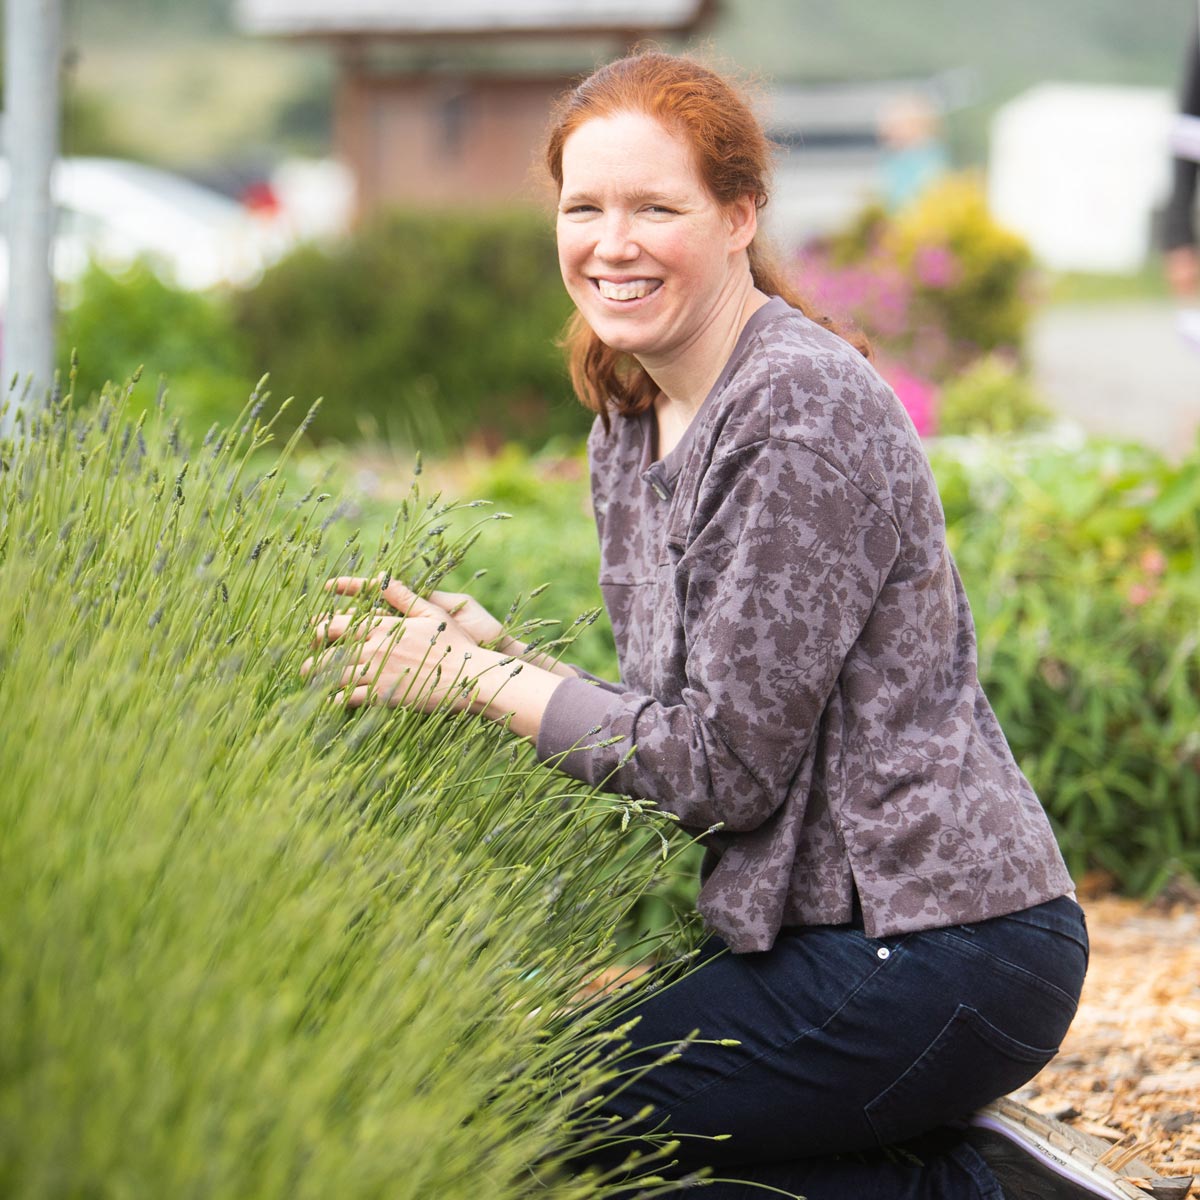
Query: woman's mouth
[[627, 289]]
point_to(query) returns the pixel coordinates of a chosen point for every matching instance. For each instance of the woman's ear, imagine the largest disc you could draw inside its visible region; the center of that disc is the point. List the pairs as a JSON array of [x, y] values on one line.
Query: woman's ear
[[742, 215]]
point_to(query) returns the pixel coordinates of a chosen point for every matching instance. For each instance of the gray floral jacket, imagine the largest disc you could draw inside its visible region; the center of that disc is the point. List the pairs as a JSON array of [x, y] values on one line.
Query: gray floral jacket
[[798, 658]]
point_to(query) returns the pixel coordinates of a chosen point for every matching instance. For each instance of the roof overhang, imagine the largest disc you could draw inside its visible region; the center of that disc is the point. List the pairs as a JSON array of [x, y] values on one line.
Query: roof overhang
[[452, 19]]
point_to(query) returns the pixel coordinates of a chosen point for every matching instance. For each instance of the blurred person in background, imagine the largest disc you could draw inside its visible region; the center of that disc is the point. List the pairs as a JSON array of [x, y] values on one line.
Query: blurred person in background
[[1182, 253], [914, 153]]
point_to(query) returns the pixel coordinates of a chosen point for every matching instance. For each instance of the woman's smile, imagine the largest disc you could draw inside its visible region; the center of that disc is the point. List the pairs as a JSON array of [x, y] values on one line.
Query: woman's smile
[[626, 290]]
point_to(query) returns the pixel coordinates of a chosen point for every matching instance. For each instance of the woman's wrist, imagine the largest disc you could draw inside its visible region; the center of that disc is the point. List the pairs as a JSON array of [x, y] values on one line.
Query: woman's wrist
[[507, 689], [518, 649]]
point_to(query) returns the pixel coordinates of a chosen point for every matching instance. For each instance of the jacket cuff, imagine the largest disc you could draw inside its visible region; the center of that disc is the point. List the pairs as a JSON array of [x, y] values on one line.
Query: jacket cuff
[[606, 684], [572, 725]]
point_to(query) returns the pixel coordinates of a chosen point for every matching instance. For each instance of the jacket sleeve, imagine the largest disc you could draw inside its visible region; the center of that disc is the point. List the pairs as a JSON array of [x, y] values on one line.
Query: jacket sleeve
[[774, 581]]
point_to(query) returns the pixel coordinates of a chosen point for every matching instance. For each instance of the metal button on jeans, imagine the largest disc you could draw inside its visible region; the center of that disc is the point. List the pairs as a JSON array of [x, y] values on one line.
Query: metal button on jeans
[[883, 952]]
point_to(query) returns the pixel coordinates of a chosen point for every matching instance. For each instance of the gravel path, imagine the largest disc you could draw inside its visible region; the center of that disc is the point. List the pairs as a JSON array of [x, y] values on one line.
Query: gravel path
[[1122, 370]]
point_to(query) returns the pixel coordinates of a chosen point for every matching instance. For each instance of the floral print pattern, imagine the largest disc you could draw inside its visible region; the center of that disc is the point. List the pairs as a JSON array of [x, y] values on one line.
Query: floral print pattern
[[798, 663]]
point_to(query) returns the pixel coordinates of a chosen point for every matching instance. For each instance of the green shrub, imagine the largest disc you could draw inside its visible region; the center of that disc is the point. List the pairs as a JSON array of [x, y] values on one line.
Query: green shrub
[[1083, 569], [432, 327], [120, 322], [993, 395], [254, 945]]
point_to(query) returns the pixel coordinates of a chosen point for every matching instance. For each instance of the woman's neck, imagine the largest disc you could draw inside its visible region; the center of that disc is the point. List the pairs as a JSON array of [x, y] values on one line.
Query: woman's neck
[[686, 380]]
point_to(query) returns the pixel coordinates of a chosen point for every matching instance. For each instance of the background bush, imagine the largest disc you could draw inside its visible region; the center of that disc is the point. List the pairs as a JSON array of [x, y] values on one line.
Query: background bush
[[993, 395], [433, 327], [1082, 564], [254, 945], [120, 322]]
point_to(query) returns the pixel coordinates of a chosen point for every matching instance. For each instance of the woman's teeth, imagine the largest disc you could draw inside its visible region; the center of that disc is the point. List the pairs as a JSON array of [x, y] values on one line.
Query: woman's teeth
[[630, 289]]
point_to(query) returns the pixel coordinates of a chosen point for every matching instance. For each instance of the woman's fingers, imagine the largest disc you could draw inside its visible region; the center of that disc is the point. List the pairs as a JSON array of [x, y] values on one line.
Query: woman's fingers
[[405, 600], [452, 603], [335, 627], [357, 673], [473, 618], [401, 598], [347, 585]]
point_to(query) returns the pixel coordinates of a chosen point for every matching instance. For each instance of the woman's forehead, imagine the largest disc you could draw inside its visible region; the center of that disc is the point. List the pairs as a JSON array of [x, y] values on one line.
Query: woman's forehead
[[628, 144]]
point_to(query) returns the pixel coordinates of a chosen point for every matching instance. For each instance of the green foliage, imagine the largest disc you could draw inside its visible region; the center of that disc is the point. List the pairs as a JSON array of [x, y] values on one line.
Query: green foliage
[[1083, 570], [121, 322], [991, 396], [435, 327], [254, 945]]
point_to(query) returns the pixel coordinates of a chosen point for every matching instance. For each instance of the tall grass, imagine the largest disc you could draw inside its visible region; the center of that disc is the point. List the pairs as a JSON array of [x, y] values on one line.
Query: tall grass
[[252, 945]]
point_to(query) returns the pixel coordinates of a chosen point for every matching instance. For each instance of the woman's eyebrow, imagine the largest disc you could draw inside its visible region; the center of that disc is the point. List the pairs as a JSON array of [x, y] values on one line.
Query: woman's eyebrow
[[642, 196]]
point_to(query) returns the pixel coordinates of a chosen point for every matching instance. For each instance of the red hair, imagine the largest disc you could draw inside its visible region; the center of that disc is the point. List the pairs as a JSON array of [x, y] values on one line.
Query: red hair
[[733, 157]]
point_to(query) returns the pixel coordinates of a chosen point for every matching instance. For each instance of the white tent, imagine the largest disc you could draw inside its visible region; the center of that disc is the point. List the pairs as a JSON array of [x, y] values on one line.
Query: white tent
[[1079, 170]]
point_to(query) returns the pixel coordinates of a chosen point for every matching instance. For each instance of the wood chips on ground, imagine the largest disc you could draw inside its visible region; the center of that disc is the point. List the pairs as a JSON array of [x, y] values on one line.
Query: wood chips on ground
[[1129, 1069]]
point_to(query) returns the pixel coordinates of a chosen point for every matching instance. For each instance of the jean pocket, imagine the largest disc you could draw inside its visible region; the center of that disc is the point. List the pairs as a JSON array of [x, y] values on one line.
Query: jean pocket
[[968, 1063]]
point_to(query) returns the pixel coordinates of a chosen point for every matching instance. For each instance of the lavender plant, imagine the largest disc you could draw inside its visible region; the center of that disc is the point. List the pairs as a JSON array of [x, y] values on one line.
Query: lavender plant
[[252, 945]]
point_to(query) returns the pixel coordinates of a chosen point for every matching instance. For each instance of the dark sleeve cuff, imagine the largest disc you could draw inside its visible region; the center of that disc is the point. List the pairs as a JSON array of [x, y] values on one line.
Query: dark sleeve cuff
[[572, 725]]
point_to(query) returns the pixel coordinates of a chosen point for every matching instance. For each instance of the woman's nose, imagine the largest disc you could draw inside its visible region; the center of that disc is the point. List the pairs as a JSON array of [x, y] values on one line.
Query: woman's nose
[[615, 242]]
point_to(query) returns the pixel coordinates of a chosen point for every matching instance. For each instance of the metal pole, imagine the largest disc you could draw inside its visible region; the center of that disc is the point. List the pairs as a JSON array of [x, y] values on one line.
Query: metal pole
[[32, 32]]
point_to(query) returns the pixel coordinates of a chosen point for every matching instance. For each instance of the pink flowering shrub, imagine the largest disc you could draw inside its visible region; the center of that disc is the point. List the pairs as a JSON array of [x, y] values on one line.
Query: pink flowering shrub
[[935, 287]]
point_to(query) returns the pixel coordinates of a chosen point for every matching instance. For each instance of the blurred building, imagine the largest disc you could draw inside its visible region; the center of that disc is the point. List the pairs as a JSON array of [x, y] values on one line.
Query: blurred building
[[445, 102]]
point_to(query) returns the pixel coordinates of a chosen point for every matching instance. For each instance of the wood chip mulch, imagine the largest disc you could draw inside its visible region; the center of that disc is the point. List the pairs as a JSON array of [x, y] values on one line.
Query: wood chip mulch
[[1129, 1069]]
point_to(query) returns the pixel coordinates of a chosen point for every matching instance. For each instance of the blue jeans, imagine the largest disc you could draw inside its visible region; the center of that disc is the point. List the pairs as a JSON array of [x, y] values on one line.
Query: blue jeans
[[849, 1044]]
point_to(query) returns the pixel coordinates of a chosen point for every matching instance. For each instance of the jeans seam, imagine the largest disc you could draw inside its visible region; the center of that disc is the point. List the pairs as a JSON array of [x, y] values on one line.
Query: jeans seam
[[970, 947]]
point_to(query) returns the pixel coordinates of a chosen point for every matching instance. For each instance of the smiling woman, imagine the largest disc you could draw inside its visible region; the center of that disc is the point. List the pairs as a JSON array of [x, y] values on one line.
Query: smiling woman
[[894, 940]]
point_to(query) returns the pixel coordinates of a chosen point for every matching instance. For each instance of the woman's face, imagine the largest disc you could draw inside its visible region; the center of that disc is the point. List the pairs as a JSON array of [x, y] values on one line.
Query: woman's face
[[646, 253]]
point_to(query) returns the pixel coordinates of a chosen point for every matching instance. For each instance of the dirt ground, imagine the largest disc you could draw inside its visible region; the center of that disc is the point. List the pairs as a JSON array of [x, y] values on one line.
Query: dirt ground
[[1129, 1070]]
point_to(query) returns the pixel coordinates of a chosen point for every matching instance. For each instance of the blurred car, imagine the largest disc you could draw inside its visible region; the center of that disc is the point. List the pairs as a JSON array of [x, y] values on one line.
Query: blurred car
[[114, 212]]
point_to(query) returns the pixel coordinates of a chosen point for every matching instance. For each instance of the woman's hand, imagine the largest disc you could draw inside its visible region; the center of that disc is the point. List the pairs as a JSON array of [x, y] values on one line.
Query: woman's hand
[[468, 614], [431, 656], [421, 659], [1183, 270]]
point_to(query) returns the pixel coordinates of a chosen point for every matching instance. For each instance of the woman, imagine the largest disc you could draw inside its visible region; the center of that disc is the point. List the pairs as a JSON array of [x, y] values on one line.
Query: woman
[[894, 941]]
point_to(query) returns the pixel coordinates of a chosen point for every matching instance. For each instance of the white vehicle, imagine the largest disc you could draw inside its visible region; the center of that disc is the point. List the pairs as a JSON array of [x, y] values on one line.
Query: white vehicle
[[113, 212]]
